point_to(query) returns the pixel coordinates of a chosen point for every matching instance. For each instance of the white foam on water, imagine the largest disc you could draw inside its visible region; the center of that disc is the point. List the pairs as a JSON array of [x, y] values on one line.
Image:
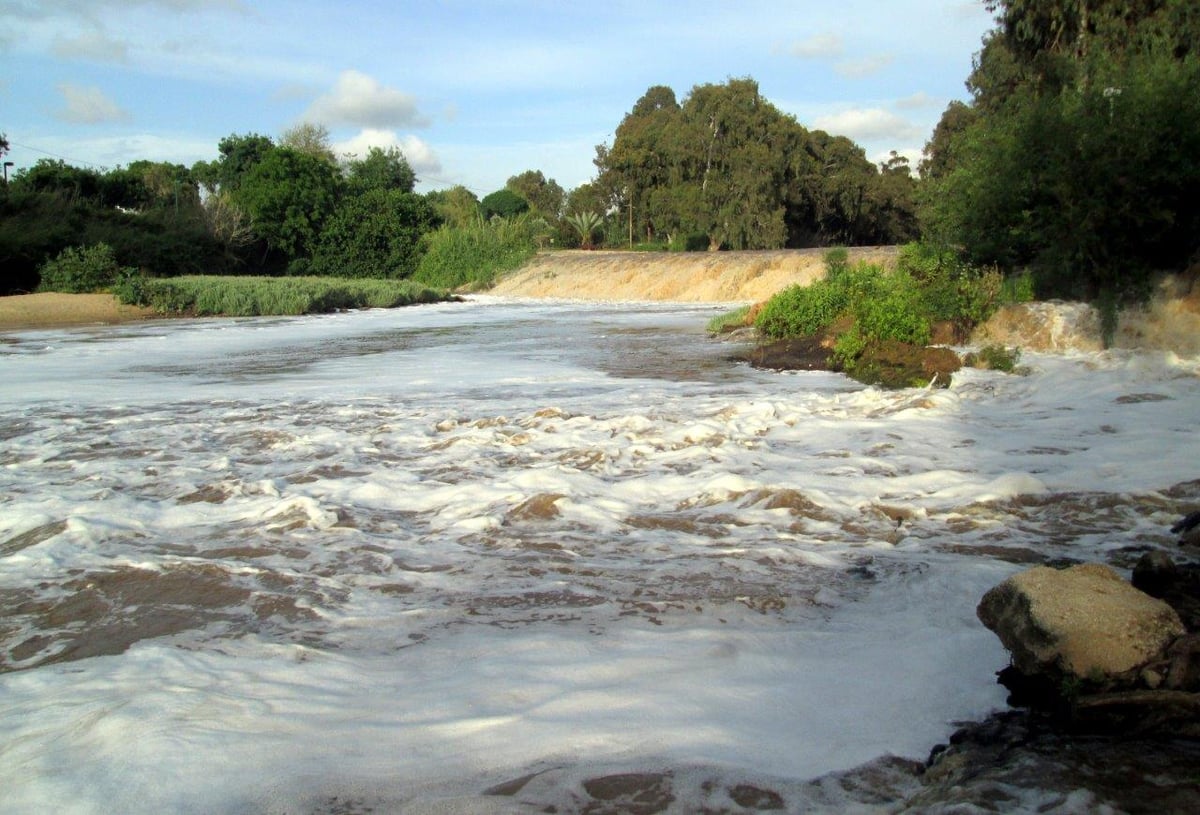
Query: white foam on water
[[402, 555]]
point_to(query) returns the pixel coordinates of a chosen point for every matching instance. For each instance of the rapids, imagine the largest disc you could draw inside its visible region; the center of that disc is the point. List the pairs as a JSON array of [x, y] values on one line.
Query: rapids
[[390, 560]]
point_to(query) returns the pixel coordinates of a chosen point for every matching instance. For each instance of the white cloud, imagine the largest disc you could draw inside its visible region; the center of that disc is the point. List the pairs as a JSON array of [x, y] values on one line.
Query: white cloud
[[818, 46], [89, 105], [862, 68], [868, 124], [420, 156], [358, 99], [93, 45], [917, 101]]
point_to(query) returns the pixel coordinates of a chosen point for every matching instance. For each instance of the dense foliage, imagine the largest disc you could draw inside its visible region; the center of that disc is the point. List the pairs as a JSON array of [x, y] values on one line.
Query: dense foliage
[[861, 304], [1079, 155], [729, 166], [473, 255], [80, 270]]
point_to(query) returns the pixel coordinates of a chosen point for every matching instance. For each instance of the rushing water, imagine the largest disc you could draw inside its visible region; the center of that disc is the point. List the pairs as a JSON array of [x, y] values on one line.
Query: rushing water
[[380, 560]]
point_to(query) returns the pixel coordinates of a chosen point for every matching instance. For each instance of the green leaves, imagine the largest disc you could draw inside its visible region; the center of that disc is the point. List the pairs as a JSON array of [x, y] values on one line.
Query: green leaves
[[585, 223], [375, 234], [1079, 157]]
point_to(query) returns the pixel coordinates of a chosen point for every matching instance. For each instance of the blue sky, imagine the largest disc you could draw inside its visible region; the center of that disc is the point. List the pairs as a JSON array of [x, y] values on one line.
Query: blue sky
[[473, 91]]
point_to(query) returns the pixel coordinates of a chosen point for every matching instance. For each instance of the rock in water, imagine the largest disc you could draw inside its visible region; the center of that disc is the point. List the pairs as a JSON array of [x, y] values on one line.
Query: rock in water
[[1082, 624], [1188, 529]]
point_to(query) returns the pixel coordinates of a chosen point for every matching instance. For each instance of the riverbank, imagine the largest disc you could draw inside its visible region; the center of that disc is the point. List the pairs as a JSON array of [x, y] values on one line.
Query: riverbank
[[681, 277], [57, 310]]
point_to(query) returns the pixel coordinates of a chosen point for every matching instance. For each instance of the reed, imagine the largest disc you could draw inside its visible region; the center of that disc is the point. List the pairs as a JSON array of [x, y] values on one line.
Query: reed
[[206, 295], [473, 256]]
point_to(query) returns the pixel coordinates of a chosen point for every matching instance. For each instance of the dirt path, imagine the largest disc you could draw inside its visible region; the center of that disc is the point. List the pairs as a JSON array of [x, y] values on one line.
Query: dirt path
[[55, 310]]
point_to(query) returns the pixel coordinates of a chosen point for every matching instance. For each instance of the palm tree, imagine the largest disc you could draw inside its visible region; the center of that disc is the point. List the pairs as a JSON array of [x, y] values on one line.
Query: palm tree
[[585, 223]]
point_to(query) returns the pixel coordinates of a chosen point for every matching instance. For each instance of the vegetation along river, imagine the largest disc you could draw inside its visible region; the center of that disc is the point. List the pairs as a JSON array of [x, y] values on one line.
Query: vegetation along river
[[375, 561]]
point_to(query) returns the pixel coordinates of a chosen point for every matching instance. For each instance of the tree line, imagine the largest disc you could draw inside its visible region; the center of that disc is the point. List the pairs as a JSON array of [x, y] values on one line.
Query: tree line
[[1077, 157]]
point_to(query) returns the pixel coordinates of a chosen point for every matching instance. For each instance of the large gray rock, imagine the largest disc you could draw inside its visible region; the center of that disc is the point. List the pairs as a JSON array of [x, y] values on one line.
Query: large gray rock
[[1084, 622]]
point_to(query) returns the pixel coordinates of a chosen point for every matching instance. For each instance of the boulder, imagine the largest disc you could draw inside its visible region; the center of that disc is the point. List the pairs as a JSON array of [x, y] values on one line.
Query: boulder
[[1083, 624]]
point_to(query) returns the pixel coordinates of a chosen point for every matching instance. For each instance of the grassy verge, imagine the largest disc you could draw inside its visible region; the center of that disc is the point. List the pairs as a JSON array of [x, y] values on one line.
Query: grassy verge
[[204, 295]]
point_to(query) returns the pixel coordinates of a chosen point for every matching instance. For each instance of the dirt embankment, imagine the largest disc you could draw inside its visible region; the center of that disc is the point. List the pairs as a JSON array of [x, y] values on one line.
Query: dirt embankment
[[53, 310], [689, 277]]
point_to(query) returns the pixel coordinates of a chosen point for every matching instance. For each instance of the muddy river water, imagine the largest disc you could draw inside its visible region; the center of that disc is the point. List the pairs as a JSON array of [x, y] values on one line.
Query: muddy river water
[[392, 560]]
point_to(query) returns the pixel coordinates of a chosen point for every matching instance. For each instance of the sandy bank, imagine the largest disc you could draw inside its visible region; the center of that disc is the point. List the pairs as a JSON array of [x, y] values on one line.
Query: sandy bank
[[54, 310], [691, 277]]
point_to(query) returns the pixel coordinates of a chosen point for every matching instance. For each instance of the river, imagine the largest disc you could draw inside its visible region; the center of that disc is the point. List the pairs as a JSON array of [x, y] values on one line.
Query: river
[[389, 560]]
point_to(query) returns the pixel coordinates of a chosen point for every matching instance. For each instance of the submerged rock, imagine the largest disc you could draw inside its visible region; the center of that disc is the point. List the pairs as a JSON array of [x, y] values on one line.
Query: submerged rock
[[887, 364]]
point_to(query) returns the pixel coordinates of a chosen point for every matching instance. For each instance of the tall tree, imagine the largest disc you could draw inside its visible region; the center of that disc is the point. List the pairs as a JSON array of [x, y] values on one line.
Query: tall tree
[[375, 234], [456, 206], [289, 194], [1080, 155], [639, 163], [312, 139], [380, 170], [544, 195], [238, 155]]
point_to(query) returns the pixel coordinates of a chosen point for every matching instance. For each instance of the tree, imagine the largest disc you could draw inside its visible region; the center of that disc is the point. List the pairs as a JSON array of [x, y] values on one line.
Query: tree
[[380, 170], [1079, 156], [640, 162], [311, 139], [585, 223], [289, 194], [239, 154], [375, 234], [503, 204], [544, 195], [456, 207]]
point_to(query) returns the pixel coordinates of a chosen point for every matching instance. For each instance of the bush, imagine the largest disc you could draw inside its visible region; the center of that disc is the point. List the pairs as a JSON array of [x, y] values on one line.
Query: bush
[[694, 242], [802, 310], [80, 270], [474, 255]]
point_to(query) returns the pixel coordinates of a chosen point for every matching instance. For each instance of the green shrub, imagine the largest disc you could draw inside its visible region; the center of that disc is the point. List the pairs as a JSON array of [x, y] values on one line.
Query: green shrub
[[1018, 288], [802, 310], [693, 242], [837, 262], [474, 255], [896, 312], [253, 296], [729, 321], [80, 270]]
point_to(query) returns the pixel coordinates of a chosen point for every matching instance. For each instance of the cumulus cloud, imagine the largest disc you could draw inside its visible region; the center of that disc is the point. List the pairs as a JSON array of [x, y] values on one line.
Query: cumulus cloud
[[420, 156], [818, 46], [868, 124], [358, 99], [94, 45], [89, 105], [862, 68], [917, 101]]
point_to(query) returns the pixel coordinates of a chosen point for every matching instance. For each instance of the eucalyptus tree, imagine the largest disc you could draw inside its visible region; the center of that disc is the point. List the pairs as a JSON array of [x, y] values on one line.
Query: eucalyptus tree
[[1080, 155]]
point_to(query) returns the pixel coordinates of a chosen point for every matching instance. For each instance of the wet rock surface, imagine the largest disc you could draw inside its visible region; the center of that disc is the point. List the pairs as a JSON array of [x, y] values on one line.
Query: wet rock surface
[[1019, 761]]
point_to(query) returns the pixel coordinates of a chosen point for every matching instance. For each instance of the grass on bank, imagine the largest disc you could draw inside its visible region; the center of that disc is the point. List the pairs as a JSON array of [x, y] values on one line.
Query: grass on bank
[[207, 295]]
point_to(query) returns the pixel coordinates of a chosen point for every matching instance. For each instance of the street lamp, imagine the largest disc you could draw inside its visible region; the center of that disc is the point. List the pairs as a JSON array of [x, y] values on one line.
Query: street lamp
[[7, 164]]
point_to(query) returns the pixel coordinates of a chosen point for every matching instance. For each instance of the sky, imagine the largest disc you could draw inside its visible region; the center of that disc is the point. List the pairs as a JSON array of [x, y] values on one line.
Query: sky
[[472, 91]]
